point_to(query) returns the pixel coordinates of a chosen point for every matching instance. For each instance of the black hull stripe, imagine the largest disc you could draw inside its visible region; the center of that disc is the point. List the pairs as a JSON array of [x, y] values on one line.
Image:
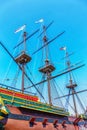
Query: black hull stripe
[[38, 119]]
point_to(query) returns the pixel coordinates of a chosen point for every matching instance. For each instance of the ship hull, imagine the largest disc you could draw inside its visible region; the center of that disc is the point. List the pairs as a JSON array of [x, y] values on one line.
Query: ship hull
[[13, 124], [40, 121], [26, 113]]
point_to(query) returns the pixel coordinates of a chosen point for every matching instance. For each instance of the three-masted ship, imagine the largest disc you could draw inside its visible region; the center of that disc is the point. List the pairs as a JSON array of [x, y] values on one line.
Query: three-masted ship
[[22, 111]]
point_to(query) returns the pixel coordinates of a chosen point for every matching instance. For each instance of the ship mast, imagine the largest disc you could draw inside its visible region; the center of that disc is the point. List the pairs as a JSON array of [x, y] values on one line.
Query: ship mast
[[71, 84], [48, 68], [23, 58]]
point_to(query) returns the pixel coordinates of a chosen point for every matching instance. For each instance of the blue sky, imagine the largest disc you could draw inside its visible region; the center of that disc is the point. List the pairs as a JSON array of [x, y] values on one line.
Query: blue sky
[[68, 15]]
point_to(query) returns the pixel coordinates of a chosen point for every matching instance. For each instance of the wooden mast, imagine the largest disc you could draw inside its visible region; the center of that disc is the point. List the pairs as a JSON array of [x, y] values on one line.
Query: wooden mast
[[48, 68], [23, 58], [71, 84]]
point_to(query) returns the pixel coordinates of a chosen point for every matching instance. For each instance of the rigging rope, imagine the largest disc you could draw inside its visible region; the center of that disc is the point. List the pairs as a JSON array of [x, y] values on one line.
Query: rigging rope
[[80, 103], [15, 78], [64, 98], [55, 92], [21, 69], [10, 63], [30, 72], [41, 87], [67, 100]]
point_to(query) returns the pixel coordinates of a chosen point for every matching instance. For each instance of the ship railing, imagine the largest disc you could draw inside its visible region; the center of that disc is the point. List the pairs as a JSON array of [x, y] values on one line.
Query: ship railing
[[83, 116], [16, 89], [32, 105], [45, 65], [73, 85], [22, 52]]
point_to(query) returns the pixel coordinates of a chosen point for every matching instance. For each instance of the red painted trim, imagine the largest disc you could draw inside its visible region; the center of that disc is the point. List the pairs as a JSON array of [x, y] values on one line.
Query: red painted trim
[[19, 95]]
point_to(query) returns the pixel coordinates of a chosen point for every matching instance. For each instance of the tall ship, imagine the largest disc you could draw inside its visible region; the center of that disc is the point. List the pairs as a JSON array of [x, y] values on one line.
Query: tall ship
[[40, 108]]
